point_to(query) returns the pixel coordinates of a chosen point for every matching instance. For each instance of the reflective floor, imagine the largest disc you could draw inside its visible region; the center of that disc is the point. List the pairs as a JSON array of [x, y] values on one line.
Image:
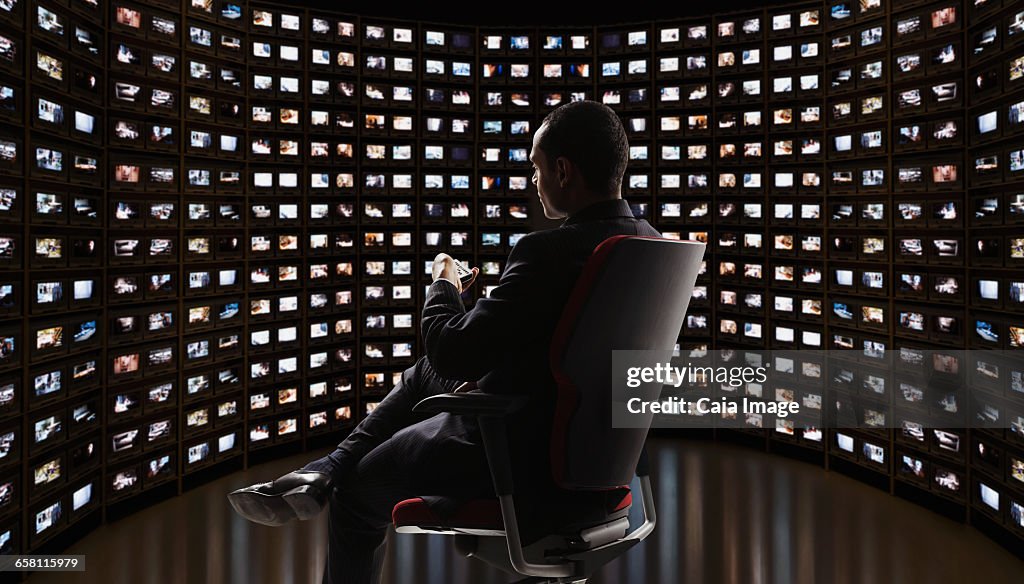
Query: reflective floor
[[726, 514]]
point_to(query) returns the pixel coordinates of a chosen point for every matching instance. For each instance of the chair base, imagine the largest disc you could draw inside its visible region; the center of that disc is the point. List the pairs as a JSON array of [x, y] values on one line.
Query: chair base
[[494, 551]]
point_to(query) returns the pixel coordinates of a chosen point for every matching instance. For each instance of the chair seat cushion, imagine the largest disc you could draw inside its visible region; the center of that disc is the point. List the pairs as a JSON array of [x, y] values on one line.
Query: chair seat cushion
[[479, 513], [475, 514]]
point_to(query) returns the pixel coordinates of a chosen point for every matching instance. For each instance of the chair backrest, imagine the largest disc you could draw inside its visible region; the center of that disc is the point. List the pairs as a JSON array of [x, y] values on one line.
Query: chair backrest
[[631, 295]]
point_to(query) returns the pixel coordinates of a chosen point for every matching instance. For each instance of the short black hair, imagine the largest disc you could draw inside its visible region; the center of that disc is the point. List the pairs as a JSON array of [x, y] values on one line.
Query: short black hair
[[591, 135]]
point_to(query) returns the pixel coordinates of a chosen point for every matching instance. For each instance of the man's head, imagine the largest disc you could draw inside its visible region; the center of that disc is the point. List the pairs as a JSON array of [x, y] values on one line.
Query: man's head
[[579, 156]]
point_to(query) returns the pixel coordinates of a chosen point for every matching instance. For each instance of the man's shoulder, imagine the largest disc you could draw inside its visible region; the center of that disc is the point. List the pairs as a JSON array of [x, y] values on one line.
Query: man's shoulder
[[573, 235], [539, 239], [609, 228], [648, 230]]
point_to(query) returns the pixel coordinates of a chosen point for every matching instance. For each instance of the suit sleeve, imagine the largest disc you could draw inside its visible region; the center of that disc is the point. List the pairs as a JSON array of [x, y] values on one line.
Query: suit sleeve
[[467, 345]]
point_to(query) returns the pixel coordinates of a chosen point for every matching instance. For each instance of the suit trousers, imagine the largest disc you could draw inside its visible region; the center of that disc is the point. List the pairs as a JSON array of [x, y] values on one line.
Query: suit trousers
[[393, 455]]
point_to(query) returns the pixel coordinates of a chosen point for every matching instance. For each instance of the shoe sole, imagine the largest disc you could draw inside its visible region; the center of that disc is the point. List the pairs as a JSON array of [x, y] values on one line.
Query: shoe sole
[[276, 510], [304, 502]]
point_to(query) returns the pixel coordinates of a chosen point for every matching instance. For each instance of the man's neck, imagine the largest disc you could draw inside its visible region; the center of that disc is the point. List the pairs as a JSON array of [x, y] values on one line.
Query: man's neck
[[591, 201]]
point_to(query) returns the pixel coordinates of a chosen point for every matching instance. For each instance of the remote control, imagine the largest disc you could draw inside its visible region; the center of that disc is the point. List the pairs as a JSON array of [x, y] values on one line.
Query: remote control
[[464, 275]]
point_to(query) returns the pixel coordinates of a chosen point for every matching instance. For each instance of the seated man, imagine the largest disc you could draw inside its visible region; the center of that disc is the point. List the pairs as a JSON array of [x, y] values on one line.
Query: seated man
[[502, 344]]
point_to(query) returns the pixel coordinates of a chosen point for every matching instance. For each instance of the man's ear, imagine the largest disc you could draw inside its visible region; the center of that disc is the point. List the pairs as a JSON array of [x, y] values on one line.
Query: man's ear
[[563, 168]]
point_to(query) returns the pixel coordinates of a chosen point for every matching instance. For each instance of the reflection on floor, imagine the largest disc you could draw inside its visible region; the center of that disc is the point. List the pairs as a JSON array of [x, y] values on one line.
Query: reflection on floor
[[726, 514]]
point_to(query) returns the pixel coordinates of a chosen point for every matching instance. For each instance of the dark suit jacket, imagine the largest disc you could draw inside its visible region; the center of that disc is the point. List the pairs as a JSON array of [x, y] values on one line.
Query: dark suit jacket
[[504, 341]]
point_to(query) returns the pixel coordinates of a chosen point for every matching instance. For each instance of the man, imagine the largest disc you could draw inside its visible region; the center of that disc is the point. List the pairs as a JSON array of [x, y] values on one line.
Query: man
[[500, 346]]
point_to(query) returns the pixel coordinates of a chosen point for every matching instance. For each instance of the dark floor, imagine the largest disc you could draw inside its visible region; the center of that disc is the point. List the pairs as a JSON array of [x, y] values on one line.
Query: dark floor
[[726, 514]]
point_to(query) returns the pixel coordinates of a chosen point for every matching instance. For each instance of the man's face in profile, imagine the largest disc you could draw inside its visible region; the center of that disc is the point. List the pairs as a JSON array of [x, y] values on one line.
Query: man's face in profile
[[545, 177]]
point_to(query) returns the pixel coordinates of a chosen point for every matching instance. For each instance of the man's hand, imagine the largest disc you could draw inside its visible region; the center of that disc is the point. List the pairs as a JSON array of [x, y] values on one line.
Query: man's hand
[[444, 268]]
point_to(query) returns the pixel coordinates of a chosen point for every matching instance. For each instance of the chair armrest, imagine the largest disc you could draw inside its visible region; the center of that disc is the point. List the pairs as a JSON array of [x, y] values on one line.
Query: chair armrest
[[473, 403], [491, 409]]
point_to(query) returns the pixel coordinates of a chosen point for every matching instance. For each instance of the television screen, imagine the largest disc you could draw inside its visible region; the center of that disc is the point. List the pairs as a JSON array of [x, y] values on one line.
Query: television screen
[[988, 122], [47, 517], [81, 497], [844, 442]]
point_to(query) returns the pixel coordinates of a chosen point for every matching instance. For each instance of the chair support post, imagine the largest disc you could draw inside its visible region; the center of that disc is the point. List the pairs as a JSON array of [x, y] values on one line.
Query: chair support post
[[492, 430], [650, 515]]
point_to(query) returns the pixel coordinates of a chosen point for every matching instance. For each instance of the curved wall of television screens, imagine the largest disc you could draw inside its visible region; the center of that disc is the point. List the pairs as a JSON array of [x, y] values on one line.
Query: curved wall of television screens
[[217, 218]]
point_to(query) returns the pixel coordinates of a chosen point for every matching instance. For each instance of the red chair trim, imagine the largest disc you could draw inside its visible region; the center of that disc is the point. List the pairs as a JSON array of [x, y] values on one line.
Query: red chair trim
[[625, 502], [478, 513], [406, 513], [475, 514]]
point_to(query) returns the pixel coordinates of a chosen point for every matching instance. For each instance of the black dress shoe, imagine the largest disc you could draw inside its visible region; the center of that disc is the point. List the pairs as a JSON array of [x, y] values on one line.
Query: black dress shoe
[[301, 494]]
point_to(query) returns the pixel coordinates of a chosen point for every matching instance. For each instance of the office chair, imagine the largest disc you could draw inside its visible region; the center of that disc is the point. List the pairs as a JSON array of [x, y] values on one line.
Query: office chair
[[631, 295]]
